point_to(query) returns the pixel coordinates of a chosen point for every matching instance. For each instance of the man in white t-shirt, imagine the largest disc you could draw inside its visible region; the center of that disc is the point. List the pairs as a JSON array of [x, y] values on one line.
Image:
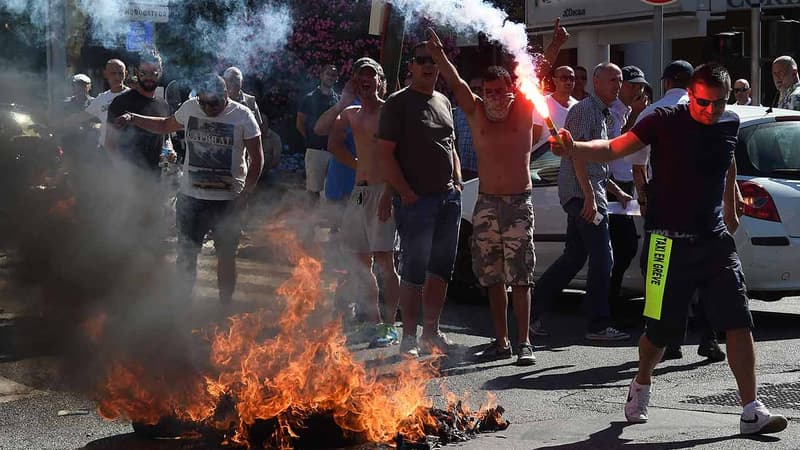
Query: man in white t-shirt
[[559, 102], [114, 73], [222, 166]]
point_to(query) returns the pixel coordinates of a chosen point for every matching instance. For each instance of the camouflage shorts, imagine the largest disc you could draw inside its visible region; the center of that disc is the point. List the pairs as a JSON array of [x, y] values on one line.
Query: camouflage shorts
[[502, 240]]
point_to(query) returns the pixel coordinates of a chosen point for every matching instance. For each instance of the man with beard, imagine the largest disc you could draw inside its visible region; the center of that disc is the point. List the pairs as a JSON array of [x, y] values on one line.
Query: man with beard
[[423, 173], [139, 147], [687, 244], [222, 166], [502, 244]]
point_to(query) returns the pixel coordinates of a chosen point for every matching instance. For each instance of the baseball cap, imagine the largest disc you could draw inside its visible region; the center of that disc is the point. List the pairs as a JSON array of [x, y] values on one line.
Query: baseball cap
[[81, 78], [678, 70], [368, 62], [633, 74]]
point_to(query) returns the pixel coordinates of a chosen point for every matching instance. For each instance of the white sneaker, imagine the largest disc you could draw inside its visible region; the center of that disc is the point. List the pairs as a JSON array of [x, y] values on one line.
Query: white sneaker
[[638, 399], [756, 419], [409, 347]]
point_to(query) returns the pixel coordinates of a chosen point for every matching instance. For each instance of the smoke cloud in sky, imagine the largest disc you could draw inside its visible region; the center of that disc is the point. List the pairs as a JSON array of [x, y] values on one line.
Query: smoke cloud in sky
[[472, 16], [247, 37]]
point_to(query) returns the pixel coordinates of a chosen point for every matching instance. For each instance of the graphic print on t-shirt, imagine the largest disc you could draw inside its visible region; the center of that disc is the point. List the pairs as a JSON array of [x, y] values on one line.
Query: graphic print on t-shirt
[[209, 151]]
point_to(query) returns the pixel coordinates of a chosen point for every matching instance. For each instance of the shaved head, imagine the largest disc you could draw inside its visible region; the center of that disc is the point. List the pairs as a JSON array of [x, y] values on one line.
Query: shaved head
[[115, 63], [115, 74]]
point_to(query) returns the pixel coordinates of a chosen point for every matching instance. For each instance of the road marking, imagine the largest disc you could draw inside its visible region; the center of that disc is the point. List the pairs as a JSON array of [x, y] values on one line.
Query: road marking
[[11, 391]]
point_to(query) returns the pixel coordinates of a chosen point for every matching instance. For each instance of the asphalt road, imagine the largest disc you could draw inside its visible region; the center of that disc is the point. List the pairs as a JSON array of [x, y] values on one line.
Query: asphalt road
[[571, 399]]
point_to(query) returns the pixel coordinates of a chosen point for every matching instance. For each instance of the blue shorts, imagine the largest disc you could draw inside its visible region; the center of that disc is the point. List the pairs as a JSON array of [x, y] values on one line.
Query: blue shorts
[[428, 231]]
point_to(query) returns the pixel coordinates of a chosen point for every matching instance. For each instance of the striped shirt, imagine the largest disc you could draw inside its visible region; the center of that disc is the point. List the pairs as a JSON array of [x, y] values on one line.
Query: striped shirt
[[589, 119], [466, 151]]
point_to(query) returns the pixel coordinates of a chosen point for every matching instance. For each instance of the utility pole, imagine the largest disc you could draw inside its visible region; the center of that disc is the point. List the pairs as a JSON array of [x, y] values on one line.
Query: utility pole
[[392, 47], [755, 51], [56, 44], [658, 47]]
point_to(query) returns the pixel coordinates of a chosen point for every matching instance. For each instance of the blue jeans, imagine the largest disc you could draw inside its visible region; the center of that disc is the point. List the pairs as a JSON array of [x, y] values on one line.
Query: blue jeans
[[428, 231], [584, 240]]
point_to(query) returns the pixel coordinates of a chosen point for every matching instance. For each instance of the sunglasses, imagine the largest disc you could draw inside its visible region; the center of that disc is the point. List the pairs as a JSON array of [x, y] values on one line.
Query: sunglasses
[[566, 78], [422, 60], [737, 90], [718, 103], [209, 103]]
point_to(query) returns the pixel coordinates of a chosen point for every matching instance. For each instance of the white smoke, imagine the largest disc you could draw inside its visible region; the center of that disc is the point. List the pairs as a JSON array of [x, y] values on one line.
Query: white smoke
[[248, 37], [472, 16]]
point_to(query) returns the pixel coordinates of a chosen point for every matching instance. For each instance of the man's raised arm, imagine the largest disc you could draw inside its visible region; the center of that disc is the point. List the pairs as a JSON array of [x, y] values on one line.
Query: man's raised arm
[[465, 99]]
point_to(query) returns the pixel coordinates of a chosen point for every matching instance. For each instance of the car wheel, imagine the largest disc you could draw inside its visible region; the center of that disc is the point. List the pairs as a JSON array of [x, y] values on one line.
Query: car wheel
[[464, 286]]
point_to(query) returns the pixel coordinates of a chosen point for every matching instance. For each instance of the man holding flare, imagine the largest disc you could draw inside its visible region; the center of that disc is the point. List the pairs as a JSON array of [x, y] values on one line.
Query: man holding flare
[[687, 244]]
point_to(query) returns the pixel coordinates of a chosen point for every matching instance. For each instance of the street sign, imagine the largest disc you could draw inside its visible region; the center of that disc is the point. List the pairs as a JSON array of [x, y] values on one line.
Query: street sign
[[146, 11], [659, 2], [377, 17], [140, 35]]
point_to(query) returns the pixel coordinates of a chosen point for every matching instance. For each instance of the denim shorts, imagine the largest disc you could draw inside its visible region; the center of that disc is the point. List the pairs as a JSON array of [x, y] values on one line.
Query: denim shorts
[[428, 231], [195, 217]]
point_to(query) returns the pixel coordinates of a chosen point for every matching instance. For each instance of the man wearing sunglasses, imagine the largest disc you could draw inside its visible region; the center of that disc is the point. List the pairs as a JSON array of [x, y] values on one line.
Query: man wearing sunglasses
[[741, 90], [416, 144], [675, 82], [561, 100], [137, 146], [687, 245], [222, 166]]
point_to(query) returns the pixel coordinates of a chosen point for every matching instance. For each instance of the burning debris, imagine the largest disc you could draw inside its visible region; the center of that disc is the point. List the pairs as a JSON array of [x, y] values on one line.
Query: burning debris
[[288, 381]]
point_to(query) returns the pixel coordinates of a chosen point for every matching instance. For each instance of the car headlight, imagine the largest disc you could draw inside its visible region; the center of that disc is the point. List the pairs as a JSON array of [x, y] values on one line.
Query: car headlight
[[22, 119]]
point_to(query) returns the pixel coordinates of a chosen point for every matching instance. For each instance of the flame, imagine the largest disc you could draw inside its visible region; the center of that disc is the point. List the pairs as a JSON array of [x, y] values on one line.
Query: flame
[[284, 370], [64, 208], [93, 327]]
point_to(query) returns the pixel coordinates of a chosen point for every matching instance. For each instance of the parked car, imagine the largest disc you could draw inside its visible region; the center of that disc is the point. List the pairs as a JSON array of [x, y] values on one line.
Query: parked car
[[31, 169], [768, 239]]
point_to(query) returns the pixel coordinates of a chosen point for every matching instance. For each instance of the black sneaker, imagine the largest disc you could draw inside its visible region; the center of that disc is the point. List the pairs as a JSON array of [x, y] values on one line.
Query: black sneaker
[[672, 352], [494, 351], [710, 350], [525, 355]]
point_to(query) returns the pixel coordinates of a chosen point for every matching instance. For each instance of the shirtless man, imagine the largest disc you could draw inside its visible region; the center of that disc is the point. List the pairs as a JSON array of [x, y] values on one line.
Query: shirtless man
[[370, 237], [502, 245]]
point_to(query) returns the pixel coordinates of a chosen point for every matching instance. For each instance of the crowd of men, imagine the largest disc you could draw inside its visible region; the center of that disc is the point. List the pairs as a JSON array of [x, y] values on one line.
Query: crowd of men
[[389, 172]]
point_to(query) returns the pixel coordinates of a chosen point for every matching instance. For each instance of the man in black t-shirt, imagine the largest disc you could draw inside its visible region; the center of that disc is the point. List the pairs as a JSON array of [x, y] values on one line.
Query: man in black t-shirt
[[132, 144], [311, 107], [688, 247]]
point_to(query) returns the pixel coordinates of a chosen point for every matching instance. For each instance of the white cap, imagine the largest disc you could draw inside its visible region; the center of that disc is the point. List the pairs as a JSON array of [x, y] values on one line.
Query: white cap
[[81, 78]]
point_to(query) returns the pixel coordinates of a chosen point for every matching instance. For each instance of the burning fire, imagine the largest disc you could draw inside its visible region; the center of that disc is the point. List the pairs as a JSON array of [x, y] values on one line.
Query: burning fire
[[284, 372]]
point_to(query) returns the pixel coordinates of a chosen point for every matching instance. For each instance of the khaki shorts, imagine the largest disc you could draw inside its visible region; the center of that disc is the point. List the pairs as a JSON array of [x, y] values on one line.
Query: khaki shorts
[[316, 169], [362, 231], [502, 240]]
